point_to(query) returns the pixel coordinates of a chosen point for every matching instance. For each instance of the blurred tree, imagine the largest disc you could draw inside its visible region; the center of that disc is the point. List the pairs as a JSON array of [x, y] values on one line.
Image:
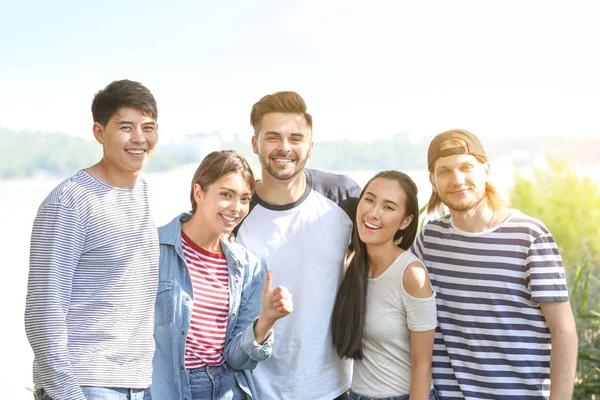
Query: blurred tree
[[569, 205]]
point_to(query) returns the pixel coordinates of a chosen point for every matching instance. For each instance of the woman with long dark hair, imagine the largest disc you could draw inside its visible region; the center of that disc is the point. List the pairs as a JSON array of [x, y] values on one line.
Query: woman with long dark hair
[[385, 315], [215, 308]]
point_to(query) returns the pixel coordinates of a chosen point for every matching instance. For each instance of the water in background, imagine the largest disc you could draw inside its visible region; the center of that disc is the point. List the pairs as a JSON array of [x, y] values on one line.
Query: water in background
[[19, 200]]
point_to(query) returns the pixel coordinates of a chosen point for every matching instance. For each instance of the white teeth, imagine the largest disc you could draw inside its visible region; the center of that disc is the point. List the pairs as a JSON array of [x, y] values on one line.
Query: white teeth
[[135, 151], [283, 160], [371, 225], [228, 218]]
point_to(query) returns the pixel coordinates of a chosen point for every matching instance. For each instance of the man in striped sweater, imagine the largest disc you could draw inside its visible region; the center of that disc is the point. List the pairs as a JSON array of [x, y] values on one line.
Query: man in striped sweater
[[93, 272], [505, 326]]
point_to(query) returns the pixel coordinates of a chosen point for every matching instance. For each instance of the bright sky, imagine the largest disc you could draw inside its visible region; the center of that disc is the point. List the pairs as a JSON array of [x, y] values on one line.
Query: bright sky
[[366, 69]]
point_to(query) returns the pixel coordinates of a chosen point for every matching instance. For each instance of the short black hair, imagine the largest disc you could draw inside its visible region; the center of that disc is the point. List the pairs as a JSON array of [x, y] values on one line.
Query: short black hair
[[123, 94]]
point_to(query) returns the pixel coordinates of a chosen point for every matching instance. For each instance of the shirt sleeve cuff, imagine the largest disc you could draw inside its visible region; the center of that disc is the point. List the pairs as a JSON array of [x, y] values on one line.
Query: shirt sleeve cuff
[[255, 351]]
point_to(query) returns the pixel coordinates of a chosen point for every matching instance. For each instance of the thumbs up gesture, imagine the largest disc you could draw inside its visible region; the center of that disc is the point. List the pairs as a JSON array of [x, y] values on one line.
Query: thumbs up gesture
[[276, 304]]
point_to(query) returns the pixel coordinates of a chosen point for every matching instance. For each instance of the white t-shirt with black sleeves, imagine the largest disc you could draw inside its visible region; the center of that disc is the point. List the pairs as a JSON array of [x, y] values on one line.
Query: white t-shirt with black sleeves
[[304, 244]]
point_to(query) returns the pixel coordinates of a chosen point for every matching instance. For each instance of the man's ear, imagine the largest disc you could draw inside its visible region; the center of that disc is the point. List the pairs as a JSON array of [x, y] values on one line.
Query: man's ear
[[432, 180], [310, 149], [255, 143], [98, 130], [487, 169]]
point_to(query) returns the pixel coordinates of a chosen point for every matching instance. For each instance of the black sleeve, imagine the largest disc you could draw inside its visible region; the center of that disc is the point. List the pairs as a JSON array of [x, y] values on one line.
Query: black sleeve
[[340, 189]]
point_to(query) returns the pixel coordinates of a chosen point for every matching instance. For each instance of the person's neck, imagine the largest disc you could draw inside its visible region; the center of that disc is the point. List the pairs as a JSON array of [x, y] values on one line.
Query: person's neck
[[277, 192], [381, 257], [106, 173], [209, 241], [478, 219]]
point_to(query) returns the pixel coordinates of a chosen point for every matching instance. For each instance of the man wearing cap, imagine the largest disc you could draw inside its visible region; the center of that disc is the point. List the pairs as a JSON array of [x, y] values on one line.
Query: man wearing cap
[[506, 329]]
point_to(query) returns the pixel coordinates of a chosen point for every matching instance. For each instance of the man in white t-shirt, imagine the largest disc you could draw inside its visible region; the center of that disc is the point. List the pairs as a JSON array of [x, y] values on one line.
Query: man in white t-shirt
[[299, 225]]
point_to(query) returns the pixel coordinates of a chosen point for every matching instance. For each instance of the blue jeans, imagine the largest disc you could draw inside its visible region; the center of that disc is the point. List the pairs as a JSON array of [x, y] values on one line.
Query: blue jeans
[[102, 393], [356, 396], [215, 383]]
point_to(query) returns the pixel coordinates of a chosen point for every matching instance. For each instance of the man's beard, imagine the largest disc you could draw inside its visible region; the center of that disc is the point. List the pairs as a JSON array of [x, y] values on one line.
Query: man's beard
[[282, 175], [464, 205]]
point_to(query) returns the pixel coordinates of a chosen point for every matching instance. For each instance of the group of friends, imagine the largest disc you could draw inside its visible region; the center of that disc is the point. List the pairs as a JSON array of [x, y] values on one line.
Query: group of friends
[[473, 305]]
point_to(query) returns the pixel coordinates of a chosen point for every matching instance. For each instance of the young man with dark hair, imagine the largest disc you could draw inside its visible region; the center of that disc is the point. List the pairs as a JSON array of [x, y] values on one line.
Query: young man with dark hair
[[94, 255], [299, 225], [505, 325]]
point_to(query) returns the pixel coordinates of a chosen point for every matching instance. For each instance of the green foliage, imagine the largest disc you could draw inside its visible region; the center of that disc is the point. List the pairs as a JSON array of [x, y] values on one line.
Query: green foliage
[[29, 154], [347, 155], [568, 204], [585, 295], [422, 217], [378, 155], [33, 391], [167, 159], [588, 356], [584, 289]]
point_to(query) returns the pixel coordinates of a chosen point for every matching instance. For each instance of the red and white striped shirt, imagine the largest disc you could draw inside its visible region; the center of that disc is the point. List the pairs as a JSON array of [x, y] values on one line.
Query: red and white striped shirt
[[210, 280]]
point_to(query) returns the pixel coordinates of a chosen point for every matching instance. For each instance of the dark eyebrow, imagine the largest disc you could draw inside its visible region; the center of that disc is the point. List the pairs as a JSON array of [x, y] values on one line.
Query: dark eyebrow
[[233, 191], [124, 122], [385, 201], [296, 134]]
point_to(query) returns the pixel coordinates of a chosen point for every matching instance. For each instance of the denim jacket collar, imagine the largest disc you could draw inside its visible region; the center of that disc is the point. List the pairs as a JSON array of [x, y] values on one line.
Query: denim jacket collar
[[170, 234]]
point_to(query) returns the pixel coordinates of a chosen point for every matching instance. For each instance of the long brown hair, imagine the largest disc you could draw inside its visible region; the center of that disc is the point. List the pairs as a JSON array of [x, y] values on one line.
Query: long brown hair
[[349, 311]]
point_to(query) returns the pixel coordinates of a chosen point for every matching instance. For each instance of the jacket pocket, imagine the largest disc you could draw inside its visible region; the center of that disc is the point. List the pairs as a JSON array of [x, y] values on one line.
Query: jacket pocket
[[164, 308]]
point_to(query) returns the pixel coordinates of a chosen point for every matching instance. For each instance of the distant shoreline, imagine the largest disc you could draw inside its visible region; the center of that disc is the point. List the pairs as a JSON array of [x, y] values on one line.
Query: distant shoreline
[[35, 155]]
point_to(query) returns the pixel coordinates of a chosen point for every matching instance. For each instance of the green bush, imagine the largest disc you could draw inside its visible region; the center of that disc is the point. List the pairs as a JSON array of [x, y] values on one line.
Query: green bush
[[569, 205]]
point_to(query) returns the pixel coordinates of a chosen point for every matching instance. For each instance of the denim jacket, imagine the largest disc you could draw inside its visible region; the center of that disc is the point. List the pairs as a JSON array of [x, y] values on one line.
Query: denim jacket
[[173, 312]]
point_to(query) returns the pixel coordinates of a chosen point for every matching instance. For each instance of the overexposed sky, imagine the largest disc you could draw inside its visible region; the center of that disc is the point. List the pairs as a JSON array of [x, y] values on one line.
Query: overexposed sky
[[366, 69]]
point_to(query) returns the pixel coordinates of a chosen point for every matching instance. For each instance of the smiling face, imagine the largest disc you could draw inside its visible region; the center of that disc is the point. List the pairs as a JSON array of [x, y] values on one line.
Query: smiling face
[[381, 212], [128, 141], [283, 145], [223, 204], [460, 181]]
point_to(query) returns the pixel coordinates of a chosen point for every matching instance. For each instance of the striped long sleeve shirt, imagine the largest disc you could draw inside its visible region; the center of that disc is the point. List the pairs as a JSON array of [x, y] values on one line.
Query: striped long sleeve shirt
[[93, 279], [492, 339]]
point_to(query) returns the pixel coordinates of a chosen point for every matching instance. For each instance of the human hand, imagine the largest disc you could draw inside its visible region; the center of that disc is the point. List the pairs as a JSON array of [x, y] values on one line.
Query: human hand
[[276, 303]]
